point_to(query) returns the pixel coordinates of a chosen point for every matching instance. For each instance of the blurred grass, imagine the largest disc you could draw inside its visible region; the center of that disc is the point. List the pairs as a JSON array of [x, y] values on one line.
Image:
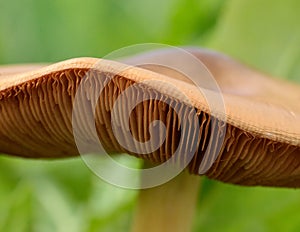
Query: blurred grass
[[64, 195], [264, 34]]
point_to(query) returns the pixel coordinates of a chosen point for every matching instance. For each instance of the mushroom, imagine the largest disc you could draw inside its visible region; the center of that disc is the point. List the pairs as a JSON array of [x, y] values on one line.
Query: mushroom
[[260, 146]]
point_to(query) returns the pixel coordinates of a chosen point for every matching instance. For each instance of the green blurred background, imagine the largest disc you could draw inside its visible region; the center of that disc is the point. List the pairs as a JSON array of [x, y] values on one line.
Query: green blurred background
[[64, 195]]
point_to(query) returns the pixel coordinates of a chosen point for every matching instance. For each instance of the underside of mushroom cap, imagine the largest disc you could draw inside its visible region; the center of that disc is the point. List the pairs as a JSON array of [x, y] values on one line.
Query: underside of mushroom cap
[[262, 140]]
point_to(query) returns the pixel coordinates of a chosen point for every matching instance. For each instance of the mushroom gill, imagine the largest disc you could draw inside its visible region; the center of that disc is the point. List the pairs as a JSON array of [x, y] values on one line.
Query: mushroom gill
[[261, 143]]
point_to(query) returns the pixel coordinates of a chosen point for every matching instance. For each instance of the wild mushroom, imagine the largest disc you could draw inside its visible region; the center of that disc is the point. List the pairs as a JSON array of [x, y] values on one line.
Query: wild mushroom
[[260, 147]]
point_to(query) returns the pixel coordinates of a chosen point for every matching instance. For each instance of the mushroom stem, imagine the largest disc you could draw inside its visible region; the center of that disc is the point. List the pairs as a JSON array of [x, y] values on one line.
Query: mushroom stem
[[169, 207]]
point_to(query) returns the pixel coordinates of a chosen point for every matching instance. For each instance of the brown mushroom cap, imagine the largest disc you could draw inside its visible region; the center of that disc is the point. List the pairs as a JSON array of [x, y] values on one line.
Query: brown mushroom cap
[[262, 140]]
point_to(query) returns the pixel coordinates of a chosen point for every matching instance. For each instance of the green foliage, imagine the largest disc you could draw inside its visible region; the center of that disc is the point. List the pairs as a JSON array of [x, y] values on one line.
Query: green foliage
[[236, 208], [64, 195], [264, 34], [59, 196]]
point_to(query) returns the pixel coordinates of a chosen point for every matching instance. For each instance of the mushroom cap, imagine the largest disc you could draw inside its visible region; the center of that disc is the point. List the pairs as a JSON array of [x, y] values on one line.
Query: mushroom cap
[[261, 143]]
